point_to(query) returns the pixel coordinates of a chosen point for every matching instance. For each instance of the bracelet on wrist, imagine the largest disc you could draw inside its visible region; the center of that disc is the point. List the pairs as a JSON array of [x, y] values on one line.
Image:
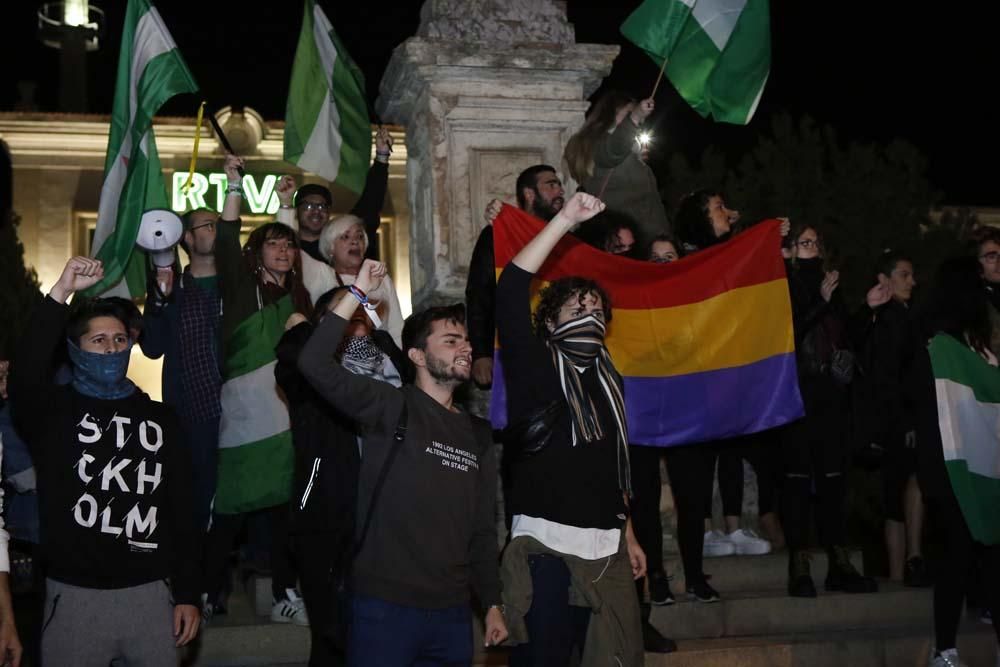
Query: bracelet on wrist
[[286, 206], [355, 288]]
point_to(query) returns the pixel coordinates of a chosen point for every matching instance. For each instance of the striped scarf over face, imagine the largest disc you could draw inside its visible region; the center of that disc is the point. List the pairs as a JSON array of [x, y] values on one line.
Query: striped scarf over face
[[577, 344]]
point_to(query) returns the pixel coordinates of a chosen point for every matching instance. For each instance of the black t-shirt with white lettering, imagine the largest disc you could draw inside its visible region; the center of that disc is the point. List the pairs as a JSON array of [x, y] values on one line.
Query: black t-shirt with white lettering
[[113, 476]]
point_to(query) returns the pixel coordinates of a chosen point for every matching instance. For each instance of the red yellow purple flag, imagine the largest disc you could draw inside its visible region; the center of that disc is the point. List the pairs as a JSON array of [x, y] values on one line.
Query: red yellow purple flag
[[705, 344]]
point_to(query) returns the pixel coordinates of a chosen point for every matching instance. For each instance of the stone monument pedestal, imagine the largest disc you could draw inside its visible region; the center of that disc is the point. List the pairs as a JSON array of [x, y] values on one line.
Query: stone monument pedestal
[[485, 89]]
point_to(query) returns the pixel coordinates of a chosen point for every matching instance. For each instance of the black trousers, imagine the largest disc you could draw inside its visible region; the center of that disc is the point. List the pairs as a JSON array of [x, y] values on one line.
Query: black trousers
[[321, 558], [555, 626], [226, 528], [760, 451], [814, 453], [690, 470], [952, 582], [644, 507]]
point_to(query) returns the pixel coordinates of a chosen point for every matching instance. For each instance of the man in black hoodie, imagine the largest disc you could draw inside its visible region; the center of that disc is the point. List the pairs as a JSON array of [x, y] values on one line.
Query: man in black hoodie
[[117, 520]]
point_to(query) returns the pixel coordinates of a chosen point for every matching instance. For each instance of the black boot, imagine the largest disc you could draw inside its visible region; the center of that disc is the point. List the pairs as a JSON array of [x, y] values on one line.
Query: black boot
[[653, 641], [800, 583], [843, 576]]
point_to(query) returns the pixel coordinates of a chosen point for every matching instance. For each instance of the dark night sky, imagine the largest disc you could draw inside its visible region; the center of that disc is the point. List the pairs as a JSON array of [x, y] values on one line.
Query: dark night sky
[[867, 68]]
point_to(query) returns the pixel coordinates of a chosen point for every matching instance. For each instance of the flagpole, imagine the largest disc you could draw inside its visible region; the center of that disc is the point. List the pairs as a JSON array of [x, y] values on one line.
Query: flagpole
[[223, 140], [660, 76]]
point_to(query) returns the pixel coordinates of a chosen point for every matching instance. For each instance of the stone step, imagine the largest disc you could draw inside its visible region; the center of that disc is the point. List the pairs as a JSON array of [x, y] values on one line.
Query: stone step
[[901, 647], [252, 645], [245, 638], [773, 613], [734, 574]]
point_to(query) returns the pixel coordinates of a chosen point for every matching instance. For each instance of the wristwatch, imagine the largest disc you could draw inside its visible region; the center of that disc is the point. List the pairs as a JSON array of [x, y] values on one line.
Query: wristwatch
[[501, 607]]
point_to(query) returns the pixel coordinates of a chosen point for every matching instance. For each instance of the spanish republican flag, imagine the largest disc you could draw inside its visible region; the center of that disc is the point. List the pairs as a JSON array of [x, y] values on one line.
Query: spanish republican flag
[[704, 344]]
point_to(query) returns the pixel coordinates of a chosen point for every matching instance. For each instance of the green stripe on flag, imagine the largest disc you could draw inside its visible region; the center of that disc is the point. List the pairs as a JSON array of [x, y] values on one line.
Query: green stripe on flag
[[256, 475], [355, 128], [308, 95], [979, 498], [252, 343]]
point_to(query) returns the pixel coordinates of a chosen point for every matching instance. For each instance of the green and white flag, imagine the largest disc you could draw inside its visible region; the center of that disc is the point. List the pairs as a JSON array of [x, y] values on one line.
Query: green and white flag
[[968, 404], [327, 130], [256, 458], [718, 52], [150, 72]]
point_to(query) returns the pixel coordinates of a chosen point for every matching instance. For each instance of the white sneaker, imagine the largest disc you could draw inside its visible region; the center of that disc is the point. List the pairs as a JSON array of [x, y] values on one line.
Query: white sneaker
[[290, 609], [748, 544], [717, 544], [948, 658]]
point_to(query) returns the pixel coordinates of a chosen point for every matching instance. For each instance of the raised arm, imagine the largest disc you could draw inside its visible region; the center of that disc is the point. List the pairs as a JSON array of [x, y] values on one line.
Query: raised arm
[[578, 208], [369, 204], [228, 254], [31, 373], [285, 190], [365, 399], [613, 148]]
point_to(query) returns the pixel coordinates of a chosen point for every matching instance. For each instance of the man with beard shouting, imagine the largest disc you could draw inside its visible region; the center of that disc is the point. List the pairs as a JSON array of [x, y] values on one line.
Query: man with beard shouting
[[426, 492]]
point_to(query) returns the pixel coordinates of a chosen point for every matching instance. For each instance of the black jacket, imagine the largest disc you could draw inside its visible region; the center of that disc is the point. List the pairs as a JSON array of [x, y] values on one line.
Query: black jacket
[[889, 343], [324, 495], [480, 296], [820, 325]]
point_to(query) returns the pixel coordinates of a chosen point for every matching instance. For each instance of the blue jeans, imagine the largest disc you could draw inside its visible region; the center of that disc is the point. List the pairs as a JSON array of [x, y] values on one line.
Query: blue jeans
[[391, 635]]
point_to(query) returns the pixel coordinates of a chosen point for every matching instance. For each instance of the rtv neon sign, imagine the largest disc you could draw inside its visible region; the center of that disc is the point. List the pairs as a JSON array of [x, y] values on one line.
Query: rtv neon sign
[[209, 191]]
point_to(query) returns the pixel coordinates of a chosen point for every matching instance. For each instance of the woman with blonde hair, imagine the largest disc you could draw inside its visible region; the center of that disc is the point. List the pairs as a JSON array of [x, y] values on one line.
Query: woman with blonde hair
[[343, 243], [605, 159]]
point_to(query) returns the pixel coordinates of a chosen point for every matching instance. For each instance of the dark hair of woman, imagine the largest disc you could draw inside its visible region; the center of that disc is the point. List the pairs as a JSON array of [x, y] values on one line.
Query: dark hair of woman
[[253, 259], [959, 305], [691, 219], [579, 153], [323, 303]]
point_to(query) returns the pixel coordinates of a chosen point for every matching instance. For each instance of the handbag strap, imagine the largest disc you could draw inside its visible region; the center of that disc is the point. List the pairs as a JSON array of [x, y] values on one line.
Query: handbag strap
[[397, 440]]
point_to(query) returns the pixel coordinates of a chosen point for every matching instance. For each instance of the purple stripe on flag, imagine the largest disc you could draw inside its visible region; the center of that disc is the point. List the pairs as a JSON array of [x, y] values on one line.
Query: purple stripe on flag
[[684, 409]]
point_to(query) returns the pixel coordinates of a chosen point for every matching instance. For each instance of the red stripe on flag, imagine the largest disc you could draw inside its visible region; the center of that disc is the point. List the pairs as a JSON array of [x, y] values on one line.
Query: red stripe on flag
[[751, 258]]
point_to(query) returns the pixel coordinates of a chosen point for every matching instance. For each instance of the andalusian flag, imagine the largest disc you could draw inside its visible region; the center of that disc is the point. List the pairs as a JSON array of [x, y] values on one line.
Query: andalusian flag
[[968, 404], [150, 72], [327, 130], [718, 52]]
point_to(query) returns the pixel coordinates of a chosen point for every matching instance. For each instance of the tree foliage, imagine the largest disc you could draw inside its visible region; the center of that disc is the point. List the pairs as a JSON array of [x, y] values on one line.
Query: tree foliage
[[864, 197], [18, 285]]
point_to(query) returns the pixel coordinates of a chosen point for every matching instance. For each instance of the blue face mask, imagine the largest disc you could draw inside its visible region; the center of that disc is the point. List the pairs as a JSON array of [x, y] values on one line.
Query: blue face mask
[[101, 375]]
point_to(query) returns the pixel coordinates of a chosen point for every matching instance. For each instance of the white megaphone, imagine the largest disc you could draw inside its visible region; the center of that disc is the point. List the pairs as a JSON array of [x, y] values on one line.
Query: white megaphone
[[159, 231]]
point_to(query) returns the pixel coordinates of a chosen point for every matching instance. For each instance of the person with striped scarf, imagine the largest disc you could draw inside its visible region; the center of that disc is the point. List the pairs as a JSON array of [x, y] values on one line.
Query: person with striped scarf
[[572, 545]]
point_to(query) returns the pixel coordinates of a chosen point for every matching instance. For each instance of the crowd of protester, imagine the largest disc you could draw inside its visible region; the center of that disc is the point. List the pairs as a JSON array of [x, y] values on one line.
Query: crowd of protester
[[311, 431]]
